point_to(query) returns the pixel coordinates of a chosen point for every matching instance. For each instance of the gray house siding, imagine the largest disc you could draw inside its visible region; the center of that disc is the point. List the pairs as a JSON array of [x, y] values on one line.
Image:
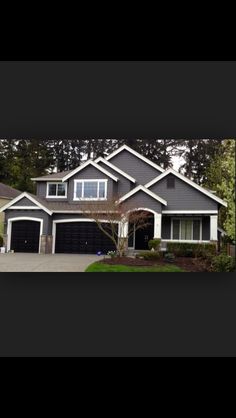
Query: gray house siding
[[183, 196], [142, 200], [47, 221], [141, 171], [41, 189], [123, 185], [89, 172], [24, 202]]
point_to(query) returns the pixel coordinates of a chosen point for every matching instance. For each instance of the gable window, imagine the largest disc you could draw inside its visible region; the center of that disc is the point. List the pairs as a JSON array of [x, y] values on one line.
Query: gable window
[[170, 182], [186, 229], [57, 190], [90, 190]]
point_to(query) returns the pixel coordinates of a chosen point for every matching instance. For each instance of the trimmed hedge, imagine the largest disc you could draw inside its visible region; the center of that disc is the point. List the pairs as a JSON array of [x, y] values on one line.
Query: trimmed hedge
[[154, 243], [149, 255], [183, 249]]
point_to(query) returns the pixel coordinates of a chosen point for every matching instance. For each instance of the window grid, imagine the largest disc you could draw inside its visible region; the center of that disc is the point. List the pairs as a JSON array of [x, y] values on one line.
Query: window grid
[[181, 221], [101, 189]]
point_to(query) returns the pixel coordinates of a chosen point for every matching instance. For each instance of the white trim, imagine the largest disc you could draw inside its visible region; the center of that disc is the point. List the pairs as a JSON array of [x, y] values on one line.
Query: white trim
[[25, 194], [46, 179], [82, 199], [188, 181], [89, 162], [56, 197], [22, 218], [113, 167], [143, 189], [186, 241], [190, 212], [24, 207], [141, 157], [214, 228], [62, 221], [185, 219]]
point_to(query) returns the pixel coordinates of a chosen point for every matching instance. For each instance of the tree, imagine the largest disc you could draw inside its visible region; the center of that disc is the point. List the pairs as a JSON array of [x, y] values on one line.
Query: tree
[[110, 213], [220, 177]]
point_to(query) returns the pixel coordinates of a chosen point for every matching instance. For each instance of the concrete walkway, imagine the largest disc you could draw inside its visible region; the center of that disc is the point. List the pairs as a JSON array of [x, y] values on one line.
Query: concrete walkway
[[21, 262]]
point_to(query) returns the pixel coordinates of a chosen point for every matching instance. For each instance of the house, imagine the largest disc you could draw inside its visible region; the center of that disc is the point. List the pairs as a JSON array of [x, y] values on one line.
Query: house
[[52, 221], [7, 193]]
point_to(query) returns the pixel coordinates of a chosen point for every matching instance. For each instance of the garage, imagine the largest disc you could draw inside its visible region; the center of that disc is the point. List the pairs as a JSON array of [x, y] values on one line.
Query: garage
[[25, 236], [82, 238]]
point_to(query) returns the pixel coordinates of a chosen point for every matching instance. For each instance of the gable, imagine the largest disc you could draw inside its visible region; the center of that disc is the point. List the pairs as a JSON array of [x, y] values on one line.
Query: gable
[[135, 167], [143, 200], [24, 202], [183, 196], [123, 185]]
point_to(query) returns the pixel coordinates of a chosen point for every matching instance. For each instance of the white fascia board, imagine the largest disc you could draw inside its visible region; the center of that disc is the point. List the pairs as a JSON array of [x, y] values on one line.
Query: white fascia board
[[189, 212], [52, 179], [140, 156], [188, 181], [143, 189], [89, 162], [21, 196], [113, 167]]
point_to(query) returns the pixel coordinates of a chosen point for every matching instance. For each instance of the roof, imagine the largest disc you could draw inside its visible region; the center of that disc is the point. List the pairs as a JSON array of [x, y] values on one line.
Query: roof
[[141, 188], [188, 181], [53, 176], [34, 199], [113, 167], [140, 156], [8, 192], [89, 162]]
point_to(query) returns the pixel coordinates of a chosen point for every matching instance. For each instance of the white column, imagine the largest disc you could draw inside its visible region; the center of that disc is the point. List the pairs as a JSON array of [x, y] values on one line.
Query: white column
[[157, 225], [123, 229], [213, 227]]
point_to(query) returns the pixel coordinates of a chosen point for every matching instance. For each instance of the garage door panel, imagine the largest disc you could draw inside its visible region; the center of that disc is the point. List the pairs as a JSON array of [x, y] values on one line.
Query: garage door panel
[[81, 238], [25, 236]]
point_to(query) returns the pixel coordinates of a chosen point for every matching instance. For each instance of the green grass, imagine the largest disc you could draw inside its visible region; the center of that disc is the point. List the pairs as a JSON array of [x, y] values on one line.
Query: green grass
[[100, 267]]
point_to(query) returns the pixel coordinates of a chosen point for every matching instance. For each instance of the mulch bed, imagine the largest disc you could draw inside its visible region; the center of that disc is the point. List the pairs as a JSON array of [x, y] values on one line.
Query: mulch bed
[[186, 263]]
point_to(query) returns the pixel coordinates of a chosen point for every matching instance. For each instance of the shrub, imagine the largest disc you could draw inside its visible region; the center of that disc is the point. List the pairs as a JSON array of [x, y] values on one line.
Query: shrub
[[154, 243], [149, 255], [223, 262], [1, 241], [169, 257], [183, 249]]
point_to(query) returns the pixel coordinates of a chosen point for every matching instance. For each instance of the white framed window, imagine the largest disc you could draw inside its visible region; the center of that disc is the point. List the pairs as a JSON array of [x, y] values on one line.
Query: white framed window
[[56, 190], [90, 189], [186, 229]]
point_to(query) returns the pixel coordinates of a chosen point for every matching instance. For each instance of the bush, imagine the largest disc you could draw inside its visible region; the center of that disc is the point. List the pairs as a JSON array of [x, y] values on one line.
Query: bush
[[183, 249], [149, 255], [154, 243], [169, 257], [1, 241], [223, 262]]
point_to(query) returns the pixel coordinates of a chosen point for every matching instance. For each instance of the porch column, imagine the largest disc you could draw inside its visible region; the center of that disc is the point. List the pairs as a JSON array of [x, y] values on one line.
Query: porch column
[[123, 229], [213, 227], [157, 225]]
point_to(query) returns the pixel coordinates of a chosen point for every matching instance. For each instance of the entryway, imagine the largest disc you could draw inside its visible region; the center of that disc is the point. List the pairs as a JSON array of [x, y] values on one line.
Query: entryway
[[140, 238]]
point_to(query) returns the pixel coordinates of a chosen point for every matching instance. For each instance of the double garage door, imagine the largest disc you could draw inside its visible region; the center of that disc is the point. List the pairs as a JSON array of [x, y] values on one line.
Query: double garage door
[[82, 238], [71, 238]]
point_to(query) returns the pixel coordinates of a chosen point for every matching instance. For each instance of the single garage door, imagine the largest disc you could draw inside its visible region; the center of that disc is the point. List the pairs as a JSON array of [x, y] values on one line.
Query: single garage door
[[82, 238], [25, 236]]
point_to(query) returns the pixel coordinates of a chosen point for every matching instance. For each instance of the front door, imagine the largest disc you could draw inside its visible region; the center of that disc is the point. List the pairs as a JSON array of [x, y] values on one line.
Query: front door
[[142, 236]]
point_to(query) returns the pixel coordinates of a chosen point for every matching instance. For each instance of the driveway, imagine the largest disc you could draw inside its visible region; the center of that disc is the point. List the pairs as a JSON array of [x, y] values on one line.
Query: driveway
[[48, 263]]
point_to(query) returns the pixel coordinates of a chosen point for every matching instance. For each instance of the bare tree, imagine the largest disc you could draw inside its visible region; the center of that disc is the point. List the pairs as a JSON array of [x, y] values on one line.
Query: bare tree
[[116, 220]]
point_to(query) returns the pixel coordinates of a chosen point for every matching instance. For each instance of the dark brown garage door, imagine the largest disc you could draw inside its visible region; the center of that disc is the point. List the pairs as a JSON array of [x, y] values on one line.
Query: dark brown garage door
[[82, 238], [25, 236]]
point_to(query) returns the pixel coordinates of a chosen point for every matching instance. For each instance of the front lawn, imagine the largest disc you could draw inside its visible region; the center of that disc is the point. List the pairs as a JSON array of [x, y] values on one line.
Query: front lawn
[[101, 267]]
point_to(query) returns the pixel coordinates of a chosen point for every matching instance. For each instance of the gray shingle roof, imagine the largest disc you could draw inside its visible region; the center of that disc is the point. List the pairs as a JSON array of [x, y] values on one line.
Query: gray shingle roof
[[8, 192], [53, 176]]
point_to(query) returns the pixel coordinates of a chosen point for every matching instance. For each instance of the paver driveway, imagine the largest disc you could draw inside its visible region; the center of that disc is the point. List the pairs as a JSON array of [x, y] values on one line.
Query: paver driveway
[[48, 263]]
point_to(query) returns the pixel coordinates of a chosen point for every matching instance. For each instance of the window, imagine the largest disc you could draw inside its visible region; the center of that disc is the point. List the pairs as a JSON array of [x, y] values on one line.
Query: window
[[186, 229], [90, 190], [57, 190], [170, 182]]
